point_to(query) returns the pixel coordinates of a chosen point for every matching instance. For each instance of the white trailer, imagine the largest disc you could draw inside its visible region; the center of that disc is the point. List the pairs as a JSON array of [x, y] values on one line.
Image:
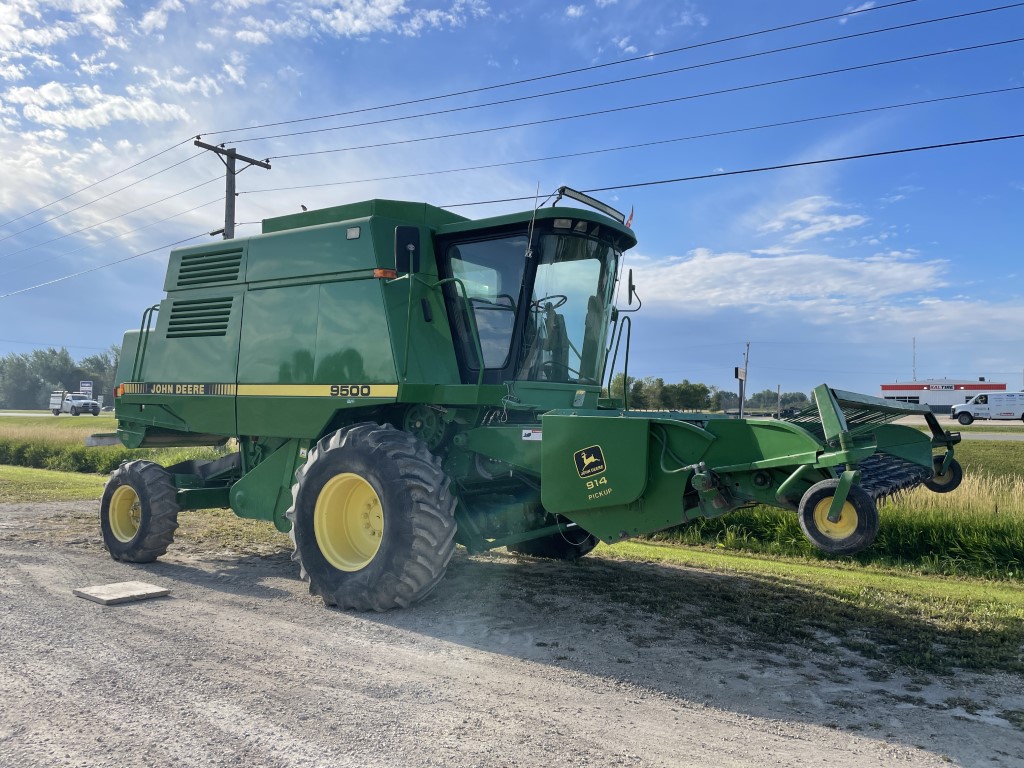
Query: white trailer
[[990, 405]]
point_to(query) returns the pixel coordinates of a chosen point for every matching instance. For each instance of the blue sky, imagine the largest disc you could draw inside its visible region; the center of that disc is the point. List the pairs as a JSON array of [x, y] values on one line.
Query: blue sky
[[830, 271]]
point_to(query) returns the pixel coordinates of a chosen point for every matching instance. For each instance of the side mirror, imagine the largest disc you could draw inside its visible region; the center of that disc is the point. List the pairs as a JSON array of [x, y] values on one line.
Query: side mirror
[[407, 249], [632, 290]]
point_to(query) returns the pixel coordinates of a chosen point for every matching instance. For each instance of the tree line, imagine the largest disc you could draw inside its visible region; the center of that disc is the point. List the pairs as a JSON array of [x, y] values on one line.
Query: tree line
[[650, 393], [26, 379]]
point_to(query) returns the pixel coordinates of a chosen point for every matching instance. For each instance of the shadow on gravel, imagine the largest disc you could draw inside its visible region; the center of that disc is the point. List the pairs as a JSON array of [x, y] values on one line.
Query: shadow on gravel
[[755, 645], [241, 575]]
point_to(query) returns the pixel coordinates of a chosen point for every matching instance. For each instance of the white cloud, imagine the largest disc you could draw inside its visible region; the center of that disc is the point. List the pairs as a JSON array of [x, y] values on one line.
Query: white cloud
[[605, 3], [624, 45], [817, 285], [254, 37], [809, 218], [155, 19], [51, 93], [574, 11], [99, 109], [852, 9]]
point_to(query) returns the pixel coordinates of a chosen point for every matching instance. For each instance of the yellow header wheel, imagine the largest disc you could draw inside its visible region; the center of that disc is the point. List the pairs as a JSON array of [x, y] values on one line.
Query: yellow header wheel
[[842, 528], [348, 521], [125, 513]]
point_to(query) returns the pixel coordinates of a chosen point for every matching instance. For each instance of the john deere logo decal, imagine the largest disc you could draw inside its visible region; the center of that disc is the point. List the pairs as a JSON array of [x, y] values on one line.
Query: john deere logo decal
[[590, 461]]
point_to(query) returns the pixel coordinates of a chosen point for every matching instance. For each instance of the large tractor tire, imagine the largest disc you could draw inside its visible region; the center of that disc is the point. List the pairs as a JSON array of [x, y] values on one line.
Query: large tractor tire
[[139, 512], [569, 545], [373, 519], [856, 527]]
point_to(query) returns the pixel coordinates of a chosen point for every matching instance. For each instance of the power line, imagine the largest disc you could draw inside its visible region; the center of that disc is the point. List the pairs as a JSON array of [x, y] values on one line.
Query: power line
[[482, 89], [102, 266], [575, 89], [96, 200], [644, 105], [116, 237], [93, 184], [52, 346], [564, 73], [645, 144], [112, 218], [595, 189], [762, 169]]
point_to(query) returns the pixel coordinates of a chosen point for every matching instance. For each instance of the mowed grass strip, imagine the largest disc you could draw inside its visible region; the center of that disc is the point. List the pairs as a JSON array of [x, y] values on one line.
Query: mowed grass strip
[[21, 484]]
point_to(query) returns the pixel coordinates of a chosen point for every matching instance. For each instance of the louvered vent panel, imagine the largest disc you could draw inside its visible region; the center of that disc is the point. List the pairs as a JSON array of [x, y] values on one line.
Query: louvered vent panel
[[199, 317], [198, 269]]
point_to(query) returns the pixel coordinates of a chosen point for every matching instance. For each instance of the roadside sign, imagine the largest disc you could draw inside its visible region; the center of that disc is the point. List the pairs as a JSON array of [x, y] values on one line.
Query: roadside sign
[[85, 387]]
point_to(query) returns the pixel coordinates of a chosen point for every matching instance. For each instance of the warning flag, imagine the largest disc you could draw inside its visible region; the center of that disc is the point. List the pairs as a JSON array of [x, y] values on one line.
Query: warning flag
[[629, 220]]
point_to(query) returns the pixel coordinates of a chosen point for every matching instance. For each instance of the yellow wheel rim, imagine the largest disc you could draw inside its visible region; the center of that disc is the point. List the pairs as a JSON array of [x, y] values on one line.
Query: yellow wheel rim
[[842, 528], [125, 513], [348, 521]]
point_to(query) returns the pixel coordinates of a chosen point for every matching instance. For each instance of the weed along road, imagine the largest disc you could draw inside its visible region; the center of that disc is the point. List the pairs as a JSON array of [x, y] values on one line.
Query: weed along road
[[510, 662]]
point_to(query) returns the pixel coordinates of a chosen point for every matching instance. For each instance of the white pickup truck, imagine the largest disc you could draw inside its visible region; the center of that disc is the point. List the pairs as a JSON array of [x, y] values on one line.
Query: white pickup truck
[[990, 405], [73, 403]]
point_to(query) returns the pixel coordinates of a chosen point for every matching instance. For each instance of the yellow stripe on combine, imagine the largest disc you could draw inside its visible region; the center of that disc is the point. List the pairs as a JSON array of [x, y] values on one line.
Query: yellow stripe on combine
[[347, 391], [318, 390]]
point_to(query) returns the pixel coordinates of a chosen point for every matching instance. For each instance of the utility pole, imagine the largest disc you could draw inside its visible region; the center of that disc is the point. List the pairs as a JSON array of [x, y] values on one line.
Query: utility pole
[[741, 376], [778, 410], [229, 157], [914, 361]]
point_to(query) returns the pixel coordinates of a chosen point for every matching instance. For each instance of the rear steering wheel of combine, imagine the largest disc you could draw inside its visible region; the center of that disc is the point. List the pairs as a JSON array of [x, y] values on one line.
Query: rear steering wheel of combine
[[856, 527], [139, 512], [373, 519], [949, 481]]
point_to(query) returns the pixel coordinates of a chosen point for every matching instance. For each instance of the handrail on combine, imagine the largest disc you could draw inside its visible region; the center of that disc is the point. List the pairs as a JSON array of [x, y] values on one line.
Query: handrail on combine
[[626, 323], [143, 342]]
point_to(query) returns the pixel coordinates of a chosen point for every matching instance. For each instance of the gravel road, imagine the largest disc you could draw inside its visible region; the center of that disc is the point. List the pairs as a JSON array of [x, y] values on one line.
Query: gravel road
[[511, 662]]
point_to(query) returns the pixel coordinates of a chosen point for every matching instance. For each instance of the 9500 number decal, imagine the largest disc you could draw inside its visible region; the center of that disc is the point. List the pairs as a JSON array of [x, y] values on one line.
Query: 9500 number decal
[[351, 390]]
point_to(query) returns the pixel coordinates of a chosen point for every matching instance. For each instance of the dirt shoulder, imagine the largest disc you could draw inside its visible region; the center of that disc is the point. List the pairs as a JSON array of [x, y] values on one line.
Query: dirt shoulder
[[511, 662]]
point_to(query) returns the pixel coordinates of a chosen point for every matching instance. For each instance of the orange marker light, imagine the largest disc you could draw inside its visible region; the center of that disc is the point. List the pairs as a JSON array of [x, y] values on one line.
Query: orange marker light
[[385, 274]]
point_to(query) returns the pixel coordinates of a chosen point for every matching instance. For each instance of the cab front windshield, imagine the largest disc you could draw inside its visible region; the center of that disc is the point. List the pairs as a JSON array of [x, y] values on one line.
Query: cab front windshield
[[538, 318], [569, 307]]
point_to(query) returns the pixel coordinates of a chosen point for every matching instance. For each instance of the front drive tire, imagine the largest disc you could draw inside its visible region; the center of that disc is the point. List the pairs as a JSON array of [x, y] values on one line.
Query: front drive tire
[[373, 519], [74, 411], [138, 512], [965, 419], [856, 527]]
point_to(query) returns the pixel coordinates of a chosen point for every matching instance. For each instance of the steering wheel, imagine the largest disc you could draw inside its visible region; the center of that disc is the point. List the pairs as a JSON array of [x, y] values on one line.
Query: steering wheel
[[556, 300]]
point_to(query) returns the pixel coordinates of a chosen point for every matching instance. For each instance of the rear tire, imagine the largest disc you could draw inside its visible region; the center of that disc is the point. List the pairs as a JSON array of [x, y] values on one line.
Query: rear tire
[[139, 512], [558, 546], [947, 482], [373, 519], [857, 525], [965, 419], [55, 411]]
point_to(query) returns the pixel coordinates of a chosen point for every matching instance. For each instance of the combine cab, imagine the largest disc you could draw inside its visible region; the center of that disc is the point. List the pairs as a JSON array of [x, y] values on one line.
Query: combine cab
[[400, 379]]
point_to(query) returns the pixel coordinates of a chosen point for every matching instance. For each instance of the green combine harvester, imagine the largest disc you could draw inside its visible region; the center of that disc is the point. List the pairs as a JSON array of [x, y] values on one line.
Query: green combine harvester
[[399, 379]]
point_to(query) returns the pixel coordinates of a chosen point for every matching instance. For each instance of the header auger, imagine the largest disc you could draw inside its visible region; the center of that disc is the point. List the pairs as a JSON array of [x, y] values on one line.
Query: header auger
[[400, 379]]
